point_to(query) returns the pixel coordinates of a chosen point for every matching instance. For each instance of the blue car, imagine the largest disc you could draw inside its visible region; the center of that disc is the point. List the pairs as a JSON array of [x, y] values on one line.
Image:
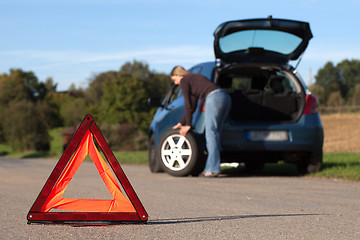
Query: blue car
[[274, 117]]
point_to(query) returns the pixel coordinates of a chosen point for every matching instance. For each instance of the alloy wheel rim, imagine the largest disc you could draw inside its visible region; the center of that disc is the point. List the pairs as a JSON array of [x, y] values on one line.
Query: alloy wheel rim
[[176, 152]]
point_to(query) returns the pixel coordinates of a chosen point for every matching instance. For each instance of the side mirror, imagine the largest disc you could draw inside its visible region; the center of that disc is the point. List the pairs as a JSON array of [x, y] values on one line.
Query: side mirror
[[155, 102]]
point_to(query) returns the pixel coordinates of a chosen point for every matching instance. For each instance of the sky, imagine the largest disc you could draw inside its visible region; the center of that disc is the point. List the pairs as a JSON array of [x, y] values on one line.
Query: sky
[[73, 40]]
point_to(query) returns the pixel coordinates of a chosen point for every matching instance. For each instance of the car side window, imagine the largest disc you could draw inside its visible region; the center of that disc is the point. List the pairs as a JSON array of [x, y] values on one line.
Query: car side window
[[282, 82], [236, 83], [288, 84], [196, 69], [171, 95], [241, 83], [175, 93]]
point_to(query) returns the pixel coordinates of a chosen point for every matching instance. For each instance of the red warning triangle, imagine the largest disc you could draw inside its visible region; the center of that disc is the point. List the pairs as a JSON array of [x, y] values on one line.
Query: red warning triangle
[[118, 209]]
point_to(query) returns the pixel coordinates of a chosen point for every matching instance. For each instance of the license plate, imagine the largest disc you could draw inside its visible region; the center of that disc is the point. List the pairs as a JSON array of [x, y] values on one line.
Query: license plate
[[267, 136]]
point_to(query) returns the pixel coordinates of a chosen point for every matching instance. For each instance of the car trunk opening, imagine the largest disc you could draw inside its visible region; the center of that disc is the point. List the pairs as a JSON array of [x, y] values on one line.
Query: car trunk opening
[[262, 94]]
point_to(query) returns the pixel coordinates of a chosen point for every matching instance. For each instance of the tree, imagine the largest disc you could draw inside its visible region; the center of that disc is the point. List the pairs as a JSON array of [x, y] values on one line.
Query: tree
[[26, 113], [50, 86], [335, 99], [356, 95], [13, 87], [94, 92], [119, 101], [328, 78], [16, 87], [155, 84], [28, 108], [123, 95], [72, 110], [343, 77], [123, 100], [350, 76]]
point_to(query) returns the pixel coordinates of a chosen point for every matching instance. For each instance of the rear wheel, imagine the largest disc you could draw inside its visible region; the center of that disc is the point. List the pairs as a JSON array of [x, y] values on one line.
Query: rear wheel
[[311, 163], [180, 156]]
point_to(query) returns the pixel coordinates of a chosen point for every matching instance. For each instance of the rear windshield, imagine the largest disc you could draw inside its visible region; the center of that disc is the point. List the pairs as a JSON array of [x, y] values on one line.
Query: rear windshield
[[270, 40]]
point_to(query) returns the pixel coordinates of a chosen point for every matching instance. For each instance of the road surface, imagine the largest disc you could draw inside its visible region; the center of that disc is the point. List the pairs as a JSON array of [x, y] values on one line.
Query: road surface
[[229, 207]]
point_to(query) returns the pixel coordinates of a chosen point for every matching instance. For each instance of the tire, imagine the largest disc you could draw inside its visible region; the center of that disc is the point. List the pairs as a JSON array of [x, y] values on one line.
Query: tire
[[311, 163], [180, 156], [154, 161]]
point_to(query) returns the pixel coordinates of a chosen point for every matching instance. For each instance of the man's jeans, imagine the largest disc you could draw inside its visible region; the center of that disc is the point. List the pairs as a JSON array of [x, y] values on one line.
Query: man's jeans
[[217, 107]]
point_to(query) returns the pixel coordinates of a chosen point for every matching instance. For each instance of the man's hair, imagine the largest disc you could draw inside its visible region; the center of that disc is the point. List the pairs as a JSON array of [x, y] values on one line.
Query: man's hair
[[179, 70]]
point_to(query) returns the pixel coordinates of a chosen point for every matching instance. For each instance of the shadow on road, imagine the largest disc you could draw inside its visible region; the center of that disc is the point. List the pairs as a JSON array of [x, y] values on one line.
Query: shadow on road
[[220, 218], [280, 169]]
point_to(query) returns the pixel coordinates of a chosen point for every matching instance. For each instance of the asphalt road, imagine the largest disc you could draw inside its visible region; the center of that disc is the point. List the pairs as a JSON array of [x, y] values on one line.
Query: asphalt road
[[229, 207]]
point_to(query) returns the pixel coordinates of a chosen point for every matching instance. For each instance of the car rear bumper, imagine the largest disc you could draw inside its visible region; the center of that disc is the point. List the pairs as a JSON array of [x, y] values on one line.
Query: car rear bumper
[[305, 135]]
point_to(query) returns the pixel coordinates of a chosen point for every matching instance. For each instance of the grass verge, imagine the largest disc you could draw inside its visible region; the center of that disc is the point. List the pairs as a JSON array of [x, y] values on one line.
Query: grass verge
[[56, 149], [341, 166], [335, 165], [344, 166]]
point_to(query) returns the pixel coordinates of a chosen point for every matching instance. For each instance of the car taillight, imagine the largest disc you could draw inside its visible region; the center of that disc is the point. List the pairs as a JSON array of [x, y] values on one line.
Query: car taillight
[[311, 104]]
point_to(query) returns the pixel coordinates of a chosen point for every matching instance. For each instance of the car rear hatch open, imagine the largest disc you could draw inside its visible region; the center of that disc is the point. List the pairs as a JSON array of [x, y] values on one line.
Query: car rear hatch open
[[261, 40]]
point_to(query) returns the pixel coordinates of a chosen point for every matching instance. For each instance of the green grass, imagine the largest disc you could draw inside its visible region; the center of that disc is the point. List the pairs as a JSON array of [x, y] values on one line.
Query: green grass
[[139, 157], [56, 140], [5, 150], [341, 166], [335, 165], [56, 149]]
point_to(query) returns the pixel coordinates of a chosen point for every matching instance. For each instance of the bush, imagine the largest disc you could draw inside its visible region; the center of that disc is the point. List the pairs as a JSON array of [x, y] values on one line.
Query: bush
[[335, 99], [124, 137], [24, 128]]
